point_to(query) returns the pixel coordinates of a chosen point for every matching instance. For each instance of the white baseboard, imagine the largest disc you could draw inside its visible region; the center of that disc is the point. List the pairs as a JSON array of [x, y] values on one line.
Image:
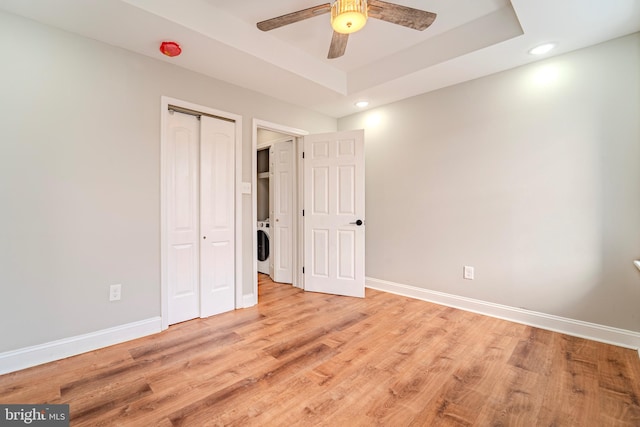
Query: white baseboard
[[578, 328], [249, 300], [27, 357]]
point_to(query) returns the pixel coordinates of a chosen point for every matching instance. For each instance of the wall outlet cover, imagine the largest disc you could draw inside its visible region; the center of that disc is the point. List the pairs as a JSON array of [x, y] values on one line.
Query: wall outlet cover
[[468, 272], [115, 292]]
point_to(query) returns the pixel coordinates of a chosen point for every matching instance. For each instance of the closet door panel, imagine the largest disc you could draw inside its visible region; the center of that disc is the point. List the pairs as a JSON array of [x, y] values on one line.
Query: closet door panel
[[183, 250], [217, 228]]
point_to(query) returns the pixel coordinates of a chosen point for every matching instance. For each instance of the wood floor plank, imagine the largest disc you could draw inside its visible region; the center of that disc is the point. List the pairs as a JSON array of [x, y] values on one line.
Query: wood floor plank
[[572, 384], [302, 358], [619, 388], [204, 409], [459, 377]]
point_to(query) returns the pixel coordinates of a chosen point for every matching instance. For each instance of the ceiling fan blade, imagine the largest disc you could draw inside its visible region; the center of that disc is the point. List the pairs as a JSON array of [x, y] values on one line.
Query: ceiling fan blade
[[401, 15], [338, 45], [290, 18]]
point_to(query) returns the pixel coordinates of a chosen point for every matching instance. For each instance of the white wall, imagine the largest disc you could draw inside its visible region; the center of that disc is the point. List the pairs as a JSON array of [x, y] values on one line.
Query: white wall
[[80, 178], [532, 176]]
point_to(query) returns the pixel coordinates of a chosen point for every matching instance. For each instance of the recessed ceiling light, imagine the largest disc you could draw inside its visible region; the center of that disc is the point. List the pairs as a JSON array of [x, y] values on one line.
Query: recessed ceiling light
[[542, 49], [362, 104]]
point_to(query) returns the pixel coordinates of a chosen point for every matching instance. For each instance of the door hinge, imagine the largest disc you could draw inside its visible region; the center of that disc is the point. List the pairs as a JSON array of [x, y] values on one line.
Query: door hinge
[[302, 270], [302, 212], [303, 154]]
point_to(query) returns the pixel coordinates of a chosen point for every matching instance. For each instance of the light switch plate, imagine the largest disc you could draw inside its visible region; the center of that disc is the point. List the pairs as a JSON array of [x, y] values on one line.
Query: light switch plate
[[246, 188]]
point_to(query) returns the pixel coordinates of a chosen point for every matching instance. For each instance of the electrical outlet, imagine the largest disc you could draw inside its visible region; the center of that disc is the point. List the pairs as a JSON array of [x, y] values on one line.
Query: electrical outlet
[[467, 272], [115, 292]]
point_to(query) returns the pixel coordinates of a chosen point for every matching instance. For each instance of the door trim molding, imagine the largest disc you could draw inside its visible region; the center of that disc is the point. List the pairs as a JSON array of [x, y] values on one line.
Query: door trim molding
[[165, 101], [297, 133]]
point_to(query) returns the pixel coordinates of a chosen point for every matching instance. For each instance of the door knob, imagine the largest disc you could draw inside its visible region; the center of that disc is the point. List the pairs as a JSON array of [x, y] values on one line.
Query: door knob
[[358, 223], [204, 237]]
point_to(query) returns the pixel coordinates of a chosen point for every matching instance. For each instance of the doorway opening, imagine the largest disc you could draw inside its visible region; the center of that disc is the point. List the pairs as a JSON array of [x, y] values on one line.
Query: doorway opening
[[327, 213], [277, 200]]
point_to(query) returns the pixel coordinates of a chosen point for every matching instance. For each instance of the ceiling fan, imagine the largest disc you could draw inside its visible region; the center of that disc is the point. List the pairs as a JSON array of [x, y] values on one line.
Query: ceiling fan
[[349, 16]]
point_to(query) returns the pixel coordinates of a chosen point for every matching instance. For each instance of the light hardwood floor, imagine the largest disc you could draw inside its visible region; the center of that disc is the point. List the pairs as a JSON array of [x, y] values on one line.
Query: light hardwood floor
[[313, 359]]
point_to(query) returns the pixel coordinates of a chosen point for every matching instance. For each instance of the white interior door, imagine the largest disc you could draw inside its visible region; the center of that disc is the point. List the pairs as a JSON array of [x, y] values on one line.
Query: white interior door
[[281, 222], [334, 231], [199, 167], [183, 254], [217, 221]]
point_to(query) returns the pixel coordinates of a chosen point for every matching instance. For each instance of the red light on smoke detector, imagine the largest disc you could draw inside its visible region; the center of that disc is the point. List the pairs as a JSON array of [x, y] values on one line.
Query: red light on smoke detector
[[170, 49]]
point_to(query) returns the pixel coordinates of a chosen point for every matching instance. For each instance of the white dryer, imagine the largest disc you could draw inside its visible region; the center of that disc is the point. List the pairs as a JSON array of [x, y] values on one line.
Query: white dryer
[[264, 247]]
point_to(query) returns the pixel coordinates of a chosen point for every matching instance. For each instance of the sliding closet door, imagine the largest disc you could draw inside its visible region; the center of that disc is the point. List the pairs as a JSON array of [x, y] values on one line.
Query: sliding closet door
[[200, 230]]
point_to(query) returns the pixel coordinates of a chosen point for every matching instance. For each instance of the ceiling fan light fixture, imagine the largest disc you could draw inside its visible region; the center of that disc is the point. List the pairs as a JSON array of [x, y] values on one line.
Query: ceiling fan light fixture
[[348, 16]]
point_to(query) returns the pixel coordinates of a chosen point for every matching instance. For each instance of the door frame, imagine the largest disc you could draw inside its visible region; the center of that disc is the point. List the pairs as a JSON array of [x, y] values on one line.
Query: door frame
[[165, 101], [297, 134]]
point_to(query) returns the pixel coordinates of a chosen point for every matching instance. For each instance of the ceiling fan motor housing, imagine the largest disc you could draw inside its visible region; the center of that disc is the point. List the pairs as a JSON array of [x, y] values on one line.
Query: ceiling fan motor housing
[[348, 16]]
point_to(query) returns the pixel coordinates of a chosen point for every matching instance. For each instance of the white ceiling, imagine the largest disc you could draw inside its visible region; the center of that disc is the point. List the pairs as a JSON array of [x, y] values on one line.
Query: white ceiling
[[383, 62]]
